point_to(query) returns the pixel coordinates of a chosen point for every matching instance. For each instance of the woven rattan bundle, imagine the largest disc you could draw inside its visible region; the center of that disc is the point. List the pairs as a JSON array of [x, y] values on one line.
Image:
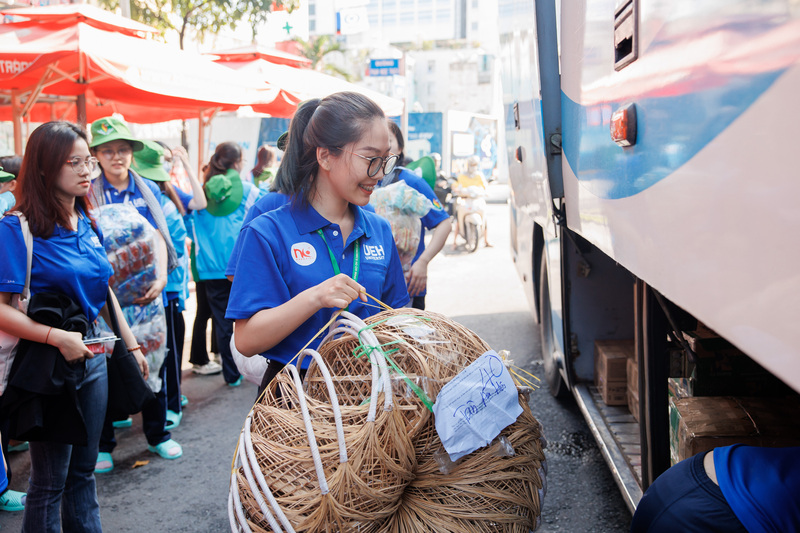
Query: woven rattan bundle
[[354, 447]]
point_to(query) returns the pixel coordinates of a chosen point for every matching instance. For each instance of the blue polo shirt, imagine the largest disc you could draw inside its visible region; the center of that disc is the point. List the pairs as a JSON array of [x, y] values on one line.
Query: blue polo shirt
[[285, 256], [762, 486], [131, 195], [272, 200], [72, 263], [268, 202]]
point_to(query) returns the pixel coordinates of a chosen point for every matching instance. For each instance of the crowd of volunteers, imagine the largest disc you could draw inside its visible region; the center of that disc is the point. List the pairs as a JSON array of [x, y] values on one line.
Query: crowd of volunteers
[[272, 253]]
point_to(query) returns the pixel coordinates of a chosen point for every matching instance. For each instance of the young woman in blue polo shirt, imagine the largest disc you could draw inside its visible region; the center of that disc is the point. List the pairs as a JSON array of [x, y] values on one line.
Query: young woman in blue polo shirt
[[68, 258], [322, 252]]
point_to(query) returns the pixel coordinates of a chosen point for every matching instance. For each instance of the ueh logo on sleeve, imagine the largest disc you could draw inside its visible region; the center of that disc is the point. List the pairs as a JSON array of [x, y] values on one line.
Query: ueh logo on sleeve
[[303, 253]]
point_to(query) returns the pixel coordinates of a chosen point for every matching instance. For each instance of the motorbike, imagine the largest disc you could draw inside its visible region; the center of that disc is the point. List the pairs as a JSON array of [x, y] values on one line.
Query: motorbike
[[470, 209]]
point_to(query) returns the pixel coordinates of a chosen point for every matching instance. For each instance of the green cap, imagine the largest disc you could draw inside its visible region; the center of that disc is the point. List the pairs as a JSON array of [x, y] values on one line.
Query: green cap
[[109, 129], [149, 161], [224, 193], [6, 176]]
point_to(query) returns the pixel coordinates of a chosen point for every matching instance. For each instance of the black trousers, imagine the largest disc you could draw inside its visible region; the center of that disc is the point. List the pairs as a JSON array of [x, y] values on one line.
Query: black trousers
[[198, 353], [218, 291]]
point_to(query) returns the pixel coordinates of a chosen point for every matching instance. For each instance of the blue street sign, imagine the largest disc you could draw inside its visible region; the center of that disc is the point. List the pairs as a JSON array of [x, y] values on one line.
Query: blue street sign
[[384, 67]]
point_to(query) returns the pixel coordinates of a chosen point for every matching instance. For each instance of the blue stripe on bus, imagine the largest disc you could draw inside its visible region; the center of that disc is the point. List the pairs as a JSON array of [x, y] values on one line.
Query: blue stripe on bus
[[671, 130]]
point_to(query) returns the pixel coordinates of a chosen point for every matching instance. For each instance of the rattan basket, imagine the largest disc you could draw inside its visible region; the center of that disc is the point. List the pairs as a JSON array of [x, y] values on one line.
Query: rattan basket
[[354, 447]]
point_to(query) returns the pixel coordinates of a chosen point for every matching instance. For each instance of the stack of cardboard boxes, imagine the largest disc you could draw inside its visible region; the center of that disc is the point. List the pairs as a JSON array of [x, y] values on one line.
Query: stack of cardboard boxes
[[723, 397]]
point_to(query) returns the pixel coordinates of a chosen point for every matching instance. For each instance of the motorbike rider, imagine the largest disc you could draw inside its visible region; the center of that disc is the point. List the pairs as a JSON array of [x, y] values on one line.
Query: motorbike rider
[[472, 178]]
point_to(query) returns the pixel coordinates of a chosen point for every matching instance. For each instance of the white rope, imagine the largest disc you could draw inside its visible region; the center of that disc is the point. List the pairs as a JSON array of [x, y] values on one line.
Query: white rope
[[337, 413], [312, 440], [234, 494], [372, 340], [260, 499]]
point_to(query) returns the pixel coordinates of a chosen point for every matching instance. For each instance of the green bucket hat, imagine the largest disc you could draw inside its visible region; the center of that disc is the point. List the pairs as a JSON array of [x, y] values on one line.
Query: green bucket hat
[[6, 176], [149, 162], [105, 130], [224, 193]]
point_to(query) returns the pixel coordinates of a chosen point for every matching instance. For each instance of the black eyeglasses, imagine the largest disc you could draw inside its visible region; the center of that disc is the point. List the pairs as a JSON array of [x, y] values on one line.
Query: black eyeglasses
[[376, 163], [78, 162]]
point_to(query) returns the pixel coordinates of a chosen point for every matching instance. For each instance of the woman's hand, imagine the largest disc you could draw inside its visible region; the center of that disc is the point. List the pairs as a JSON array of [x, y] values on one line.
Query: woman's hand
[[338, 292], [142, 362], [152, 293], [70, 344], [417, 277]]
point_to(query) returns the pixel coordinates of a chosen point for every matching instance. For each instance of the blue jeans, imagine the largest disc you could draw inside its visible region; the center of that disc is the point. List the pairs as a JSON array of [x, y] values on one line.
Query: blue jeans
[[62, 475]]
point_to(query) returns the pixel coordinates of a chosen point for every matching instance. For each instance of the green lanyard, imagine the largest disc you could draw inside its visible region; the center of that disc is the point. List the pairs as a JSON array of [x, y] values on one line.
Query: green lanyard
[[335, 263]]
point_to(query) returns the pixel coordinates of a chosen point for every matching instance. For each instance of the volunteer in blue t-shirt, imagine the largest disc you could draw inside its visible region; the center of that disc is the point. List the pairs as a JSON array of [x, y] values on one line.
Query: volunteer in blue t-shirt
[[321, 252], [67, 258], [113, 144], [214, 231], [730, 489]]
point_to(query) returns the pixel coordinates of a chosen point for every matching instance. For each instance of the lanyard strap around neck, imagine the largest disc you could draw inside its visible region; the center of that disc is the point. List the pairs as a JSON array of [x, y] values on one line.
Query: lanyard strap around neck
[[335, 263]]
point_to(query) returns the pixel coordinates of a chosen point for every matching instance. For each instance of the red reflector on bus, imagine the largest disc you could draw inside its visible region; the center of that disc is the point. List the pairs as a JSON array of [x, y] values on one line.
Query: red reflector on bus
[[623, 125]]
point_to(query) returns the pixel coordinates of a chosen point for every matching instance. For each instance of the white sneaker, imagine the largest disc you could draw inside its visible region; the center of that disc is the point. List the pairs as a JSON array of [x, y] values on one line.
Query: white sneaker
[[207, 369]]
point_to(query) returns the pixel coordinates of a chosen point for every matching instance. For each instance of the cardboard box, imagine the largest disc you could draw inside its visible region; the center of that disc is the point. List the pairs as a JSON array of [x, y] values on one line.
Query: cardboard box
[[721, 369], [699, 424], [614, 392], [633, 403], [633, 376], [611, 358], [702, 423], [610, 371]]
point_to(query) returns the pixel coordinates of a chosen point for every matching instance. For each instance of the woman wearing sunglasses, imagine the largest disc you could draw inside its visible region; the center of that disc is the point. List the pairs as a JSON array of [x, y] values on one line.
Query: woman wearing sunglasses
[[322, 252]]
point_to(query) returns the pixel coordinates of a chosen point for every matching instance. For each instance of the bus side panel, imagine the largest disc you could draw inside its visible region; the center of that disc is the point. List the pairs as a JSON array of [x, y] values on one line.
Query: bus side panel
[[529, 191], [703, 206]]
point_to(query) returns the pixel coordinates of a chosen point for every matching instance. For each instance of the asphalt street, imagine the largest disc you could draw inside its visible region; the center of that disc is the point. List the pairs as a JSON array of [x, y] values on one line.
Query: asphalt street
[[145, 493]]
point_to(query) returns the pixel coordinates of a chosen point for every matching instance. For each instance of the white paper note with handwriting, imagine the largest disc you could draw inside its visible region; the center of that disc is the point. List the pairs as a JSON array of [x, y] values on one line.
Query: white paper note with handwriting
[[475, 406]]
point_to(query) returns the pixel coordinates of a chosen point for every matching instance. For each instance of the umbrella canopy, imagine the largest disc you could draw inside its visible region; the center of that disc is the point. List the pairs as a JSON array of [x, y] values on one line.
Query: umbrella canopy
[[302, 84], [70, 14], [253, 51], [73, 59]]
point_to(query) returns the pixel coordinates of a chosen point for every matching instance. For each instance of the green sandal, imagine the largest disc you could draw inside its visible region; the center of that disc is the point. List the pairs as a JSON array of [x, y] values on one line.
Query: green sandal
[[105, 463], [12, 500], [169, 449]]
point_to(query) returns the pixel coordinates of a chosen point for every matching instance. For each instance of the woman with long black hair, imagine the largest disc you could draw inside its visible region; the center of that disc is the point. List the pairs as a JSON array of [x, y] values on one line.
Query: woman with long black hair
[[68, 258]]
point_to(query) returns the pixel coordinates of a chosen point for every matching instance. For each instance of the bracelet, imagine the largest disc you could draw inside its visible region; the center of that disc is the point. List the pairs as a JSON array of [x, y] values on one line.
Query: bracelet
[[134, 348], [47, 337]]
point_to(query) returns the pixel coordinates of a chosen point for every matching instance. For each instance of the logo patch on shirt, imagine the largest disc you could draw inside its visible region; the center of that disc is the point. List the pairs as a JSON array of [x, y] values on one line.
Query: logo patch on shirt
[[96, 241], [303, 254], [138, 202], [437, 204], [374, 253]]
